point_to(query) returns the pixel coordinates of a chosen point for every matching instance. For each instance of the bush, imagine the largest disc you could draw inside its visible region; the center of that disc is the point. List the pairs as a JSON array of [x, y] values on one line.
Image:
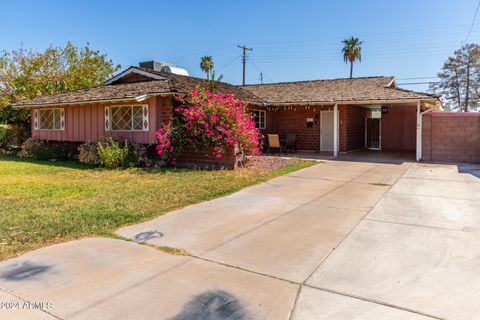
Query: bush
[[41, 150], [212, 122], [112, 153], [3, 137], [88, 153], [140, 155], [30, 147]]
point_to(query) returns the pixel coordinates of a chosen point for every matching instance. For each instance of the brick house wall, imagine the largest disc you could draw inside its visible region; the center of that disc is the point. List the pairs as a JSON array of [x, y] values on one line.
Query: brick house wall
[[191, 158], [293, 119], [352, 127], [451, 137]]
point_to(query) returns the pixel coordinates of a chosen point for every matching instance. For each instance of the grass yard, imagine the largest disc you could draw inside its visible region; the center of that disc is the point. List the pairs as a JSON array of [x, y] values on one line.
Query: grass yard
[[48, 202]]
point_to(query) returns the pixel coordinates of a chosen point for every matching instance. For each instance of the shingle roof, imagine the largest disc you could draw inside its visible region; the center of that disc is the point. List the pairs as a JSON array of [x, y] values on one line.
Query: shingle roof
[[334, 90], [320, 91], [173, 84]]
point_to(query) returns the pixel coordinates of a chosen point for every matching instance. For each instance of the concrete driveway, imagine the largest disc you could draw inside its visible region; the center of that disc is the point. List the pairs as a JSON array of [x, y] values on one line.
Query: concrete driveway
[[341, 240]]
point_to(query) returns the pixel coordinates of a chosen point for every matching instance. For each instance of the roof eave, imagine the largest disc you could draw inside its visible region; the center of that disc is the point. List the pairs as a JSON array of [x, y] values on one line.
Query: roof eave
[[140, 98], [372, 101]]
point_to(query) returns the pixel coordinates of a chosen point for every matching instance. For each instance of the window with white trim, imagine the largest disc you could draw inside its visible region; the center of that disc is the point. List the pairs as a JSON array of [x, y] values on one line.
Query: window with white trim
[[260, 118], [129, 118], [51, 119]]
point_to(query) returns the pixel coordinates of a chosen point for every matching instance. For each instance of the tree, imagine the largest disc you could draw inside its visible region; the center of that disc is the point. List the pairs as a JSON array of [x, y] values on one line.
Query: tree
[[352, 51], [206, 64], [27, 74], [460, 79]]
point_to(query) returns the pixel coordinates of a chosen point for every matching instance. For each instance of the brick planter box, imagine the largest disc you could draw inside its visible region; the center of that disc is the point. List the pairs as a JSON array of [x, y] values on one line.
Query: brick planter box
[[191, 158]]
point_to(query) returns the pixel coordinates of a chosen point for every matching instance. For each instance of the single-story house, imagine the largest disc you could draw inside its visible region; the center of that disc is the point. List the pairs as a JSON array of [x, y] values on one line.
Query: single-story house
[[337, 115]]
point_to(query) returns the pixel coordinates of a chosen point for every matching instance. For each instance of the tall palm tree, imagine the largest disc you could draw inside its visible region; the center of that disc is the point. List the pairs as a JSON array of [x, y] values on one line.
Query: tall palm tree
[[352, 51], [206, 64]]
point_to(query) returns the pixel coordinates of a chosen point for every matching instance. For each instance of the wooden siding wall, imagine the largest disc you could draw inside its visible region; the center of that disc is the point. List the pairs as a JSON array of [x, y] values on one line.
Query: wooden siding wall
[[399, 127], [86, 122]]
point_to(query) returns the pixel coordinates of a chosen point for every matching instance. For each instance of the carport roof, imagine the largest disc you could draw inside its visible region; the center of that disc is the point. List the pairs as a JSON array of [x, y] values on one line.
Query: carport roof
[[335, 91]]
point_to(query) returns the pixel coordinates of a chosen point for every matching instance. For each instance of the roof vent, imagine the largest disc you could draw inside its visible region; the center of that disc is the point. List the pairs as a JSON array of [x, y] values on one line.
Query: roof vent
[[163, 67]]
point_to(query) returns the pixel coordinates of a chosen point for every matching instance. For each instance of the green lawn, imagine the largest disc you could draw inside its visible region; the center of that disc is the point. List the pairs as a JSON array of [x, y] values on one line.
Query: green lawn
[[48, 202]]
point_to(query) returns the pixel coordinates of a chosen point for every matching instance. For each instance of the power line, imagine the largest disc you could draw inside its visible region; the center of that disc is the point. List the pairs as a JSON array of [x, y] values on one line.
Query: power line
[[473, 22], [230, 63], [417, 78], [389, 34], [410, 83], [261, 71]]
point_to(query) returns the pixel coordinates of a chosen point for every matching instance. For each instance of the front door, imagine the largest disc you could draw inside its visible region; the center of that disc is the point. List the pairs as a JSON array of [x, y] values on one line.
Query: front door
[[326, 131], [373, 133]]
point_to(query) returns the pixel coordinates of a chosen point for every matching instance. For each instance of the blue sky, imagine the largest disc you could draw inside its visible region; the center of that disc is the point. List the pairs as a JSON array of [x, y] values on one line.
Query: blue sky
[[291, 40]]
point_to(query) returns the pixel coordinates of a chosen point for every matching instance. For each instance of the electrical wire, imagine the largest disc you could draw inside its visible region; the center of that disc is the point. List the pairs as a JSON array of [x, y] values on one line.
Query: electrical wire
[[473, 22]]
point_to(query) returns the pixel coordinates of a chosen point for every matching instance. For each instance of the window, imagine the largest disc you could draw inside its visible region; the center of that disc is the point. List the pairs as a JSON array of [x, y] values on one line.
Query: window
[[51, 119], [260, 118], [129, 118]]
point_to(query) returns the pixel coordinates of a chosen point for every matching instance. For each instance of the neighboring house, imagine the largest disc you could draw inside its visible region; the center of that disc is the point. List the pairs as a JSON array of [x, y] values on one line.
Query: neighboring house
[[325, 115]]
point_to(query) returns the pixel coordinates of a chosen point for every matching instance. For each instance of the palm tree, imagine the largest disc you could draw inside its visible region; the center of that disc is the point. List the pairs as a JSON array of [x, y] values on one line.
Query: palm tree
[[206, 64], [352, 51]]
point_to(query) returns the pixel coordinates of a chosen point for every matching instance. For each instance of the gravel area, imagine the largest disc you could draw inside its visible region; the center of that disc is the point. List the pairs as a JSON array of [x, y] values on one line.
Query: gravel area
[[267, 163]]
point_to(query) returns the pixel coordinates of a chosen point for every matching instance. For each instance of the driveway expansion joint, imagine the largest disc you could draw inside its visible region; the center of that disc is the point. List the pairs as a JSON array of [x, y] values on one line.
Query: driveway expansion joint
[[433, 196], [244, 269], [416, 225], [382, 303]]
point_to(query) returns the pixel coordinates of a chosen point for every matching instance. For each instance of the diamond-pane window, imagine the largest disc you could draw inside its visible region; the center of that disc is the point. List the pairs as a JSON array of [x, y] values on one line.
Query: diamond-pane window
[[128, 118], [137, 118], [50, 119]]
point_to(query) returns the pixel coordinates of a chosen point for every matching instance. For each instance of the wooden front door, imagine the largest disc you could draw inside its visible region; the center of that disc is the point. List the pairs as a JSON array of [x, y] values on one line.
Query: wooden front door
[[373, 139]]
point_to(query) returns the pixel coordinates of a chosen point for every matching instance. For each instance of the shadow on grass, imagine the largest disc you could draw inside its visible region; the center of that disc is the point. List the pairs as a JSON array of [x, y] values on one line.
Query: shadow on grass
[[64, 164], [72, 164]]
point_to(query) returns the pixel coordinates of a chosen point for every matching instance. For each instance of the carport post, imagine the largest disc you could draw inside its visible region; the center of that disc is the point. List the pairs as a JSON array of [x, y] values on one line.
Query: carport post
[[419, 132], [335, 130]]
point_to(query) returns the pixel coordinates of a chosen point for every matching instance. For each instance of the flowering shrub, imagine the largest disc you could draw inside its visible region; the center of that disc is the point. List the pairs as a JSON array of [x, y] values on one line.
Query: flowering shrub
[[212, 122]]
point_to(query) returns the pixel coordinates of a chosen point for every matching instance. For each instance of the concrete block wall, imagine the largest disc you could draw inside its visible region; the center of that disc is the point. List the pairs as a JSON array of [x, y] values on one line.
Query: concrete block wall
[[451, 137]]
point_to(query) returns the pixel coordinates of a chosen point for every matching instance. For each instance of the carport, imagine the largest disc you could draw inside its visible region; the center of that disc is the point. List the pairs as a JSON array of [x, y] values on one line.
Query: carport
[[340, 116]]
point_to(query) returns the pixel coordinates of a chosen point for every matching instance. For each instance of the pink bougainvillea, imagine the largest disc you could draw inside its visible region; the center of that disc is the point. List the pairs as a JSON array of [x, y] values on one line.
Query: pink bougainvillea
[[211, 122]]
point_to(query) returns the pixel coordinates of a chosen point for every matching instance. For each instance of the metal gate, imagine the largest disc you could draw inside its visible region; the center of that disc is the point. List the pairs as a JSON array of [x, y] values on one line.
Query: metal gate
[[372, 135]]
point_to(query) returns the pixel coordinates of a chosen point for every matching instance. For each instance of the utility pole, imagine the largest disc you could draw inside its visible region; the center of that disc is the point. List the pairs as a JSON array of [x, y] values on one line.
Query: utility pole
[[244, 59], [261, 78]]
